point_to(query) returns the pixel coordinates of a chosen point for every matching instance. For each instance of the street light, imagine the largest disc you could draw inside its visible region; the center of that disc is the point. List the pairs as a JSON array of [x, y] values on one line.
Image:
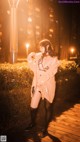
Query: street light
[[27, 47], [72, 50]]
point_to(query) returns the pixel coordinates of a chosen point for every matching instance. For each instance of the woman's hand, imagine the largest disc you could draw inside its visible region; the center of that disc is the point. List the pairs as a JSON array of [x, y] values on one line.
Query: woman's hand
[[32, 54]]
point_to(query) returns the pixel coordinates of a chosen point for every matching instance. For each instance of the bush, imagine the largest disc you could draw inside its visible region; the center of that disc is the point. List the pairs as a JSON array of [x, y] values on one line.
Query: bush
[[19, 75], [15, 76], [67, 66]]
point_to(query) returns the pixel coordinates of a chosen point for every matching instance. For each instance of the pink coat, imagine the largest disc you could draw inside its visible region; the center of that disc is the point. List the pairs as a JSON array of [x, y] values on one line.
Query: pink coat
[[44, 74]]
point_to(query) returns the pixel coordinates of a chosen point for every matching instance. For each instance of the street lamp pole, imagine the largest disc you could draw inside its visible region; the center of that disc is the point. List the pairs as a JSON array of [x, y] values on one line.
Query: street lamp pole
[[13, 31]]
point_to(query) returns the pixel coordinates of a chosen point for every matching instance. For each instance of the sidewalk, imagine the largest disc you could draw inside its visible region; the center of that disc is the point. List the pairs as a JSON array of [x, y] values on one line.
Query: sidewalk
[[67, 126]]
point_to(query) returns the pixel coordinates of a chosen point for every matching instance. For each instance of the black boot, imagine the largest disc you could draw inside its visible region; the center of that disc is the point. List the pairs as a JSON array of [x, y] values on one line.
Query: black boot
[[33, 117], [42, 133], [46, 117]]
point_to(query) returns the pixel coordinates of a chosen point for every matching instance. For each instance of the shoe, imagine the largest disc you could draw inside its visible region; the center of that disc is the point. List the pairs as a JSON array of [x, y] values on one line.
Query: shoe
[[31, 125], [42, 134]]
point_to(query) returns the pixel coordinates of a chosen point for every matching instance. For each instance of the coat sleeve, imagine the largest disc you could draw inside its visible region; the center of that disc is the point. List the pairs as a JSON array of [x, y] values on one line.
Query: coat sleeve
[[31, 60], [53, 68]]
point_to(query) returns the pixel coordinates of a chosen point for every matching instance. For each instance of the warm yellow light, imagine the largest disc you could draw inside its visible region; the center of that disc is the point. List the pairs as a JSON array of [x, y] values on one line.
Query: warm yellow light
[[51, 30], [72, 49], [50, 35], [37, 9], [8, 11], [29, 19], [27, 45], [51, 16]]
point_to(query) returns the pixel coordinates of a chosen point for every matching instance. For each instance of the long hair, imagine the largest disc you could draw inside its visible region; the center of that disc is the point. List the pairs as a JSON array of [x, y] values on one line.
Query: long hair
[[48, 46]]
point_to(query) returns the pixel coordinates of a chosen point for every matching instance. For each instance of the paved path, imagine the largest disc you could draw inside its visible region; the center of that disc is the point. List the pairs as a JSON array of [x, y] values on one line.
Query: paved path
[[66, 127]]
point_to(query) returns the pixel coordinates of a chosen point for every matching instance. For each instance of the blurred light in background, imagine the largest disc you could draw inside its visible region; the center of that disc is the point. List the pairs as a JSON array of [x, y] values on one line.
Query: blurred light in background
[[29, 19], [73, 53], [51, 30], [27, 47], [8, 12], [72, 49]]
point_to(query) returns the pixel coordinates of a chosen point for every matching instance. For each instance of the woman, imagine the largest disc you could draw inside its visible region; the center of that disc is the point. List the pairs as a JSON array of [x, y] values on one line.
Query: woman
[[44, 65]]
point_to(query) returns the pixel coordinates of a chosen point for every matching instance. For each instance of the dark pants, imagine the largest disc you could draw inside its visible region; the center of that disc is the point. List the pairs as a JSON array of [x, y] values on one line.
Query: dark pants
[[44, 114], [47, 113]]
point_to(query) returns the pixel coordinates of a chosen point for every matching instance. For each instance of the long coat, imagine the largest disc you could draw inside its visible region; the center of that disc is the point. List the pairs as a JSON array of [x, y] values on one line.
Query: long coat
[[44, 74]]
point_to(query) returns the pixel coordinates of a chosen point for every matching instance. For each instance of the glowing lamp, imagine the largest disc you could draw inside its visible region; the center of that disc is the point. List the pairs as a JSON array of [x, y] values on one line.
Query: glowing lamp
[[27, 47]]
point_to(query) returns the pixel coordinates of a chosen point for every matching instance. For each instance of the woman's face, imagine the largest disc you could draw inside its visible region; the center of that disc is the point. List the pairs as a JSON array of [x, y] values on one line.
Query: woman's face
[[42, 49]]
